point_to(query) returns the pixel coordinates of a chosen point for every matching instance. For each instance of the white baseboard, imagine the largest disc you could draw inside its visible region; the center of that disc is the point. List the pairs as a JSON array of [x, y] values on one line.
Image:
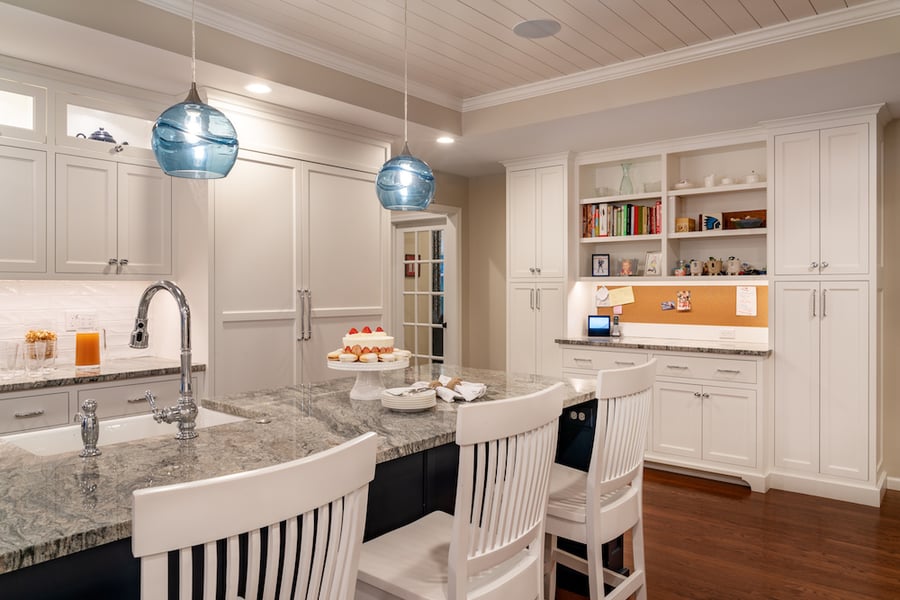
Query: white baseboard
[[846, 491], [893, 483]]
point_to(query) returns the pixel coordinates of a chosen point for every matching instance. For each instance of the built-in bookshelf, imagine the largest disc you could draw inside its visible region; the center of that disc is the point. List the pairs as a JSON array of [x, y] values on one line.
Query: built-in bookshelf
[[695, 199]]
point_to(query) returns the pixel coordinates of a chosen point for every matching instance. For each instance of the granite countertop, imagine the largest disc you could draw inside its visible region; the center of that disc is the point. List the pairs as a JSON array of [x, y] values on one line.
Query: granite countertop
[[110, 370], [673, 345], [58, 505]]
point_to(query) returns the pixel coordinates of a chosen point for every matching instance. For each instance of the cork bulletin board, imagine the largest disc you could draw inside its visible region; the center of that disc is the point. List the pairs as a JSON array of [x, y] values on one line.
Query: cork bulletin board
[[710, 305]]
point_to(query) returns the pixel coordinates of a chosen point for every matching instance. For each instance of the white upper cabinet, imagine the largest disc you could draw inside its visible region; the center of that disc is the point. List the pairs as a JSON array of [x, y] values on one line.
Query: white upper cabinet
[[23, 112], [536, 222], [822, 201], [23, 205], [102, 127], [112, 218]]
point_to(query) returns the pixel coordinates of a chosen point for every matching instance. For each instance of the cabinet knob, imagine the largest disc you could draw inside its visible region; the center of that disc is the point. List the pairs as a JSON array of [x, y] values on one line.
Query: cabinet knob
[[123, 262], [813, 265], [112, 261], [824, 265], [538, 269], [696, 394], [531, 269]]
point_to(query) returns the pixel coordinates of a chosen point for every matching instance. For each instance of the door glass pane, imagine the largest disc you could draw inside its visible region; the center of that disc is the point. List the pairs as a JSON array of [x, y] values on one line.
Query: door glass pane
[[423, 294]]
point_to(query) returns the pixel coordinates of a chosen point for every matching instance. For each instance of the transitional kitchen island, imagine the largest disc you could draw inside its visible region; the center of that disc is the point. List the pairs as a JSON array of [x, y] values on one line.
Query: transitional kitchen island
[[65, 521]]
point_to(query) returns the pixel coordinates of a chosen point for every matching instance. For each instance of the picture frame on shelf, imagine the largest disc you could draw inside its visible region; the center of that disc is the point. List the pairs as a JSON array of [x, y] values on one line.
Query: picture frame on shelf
[[652, 264], [628, 267], [600, 265]]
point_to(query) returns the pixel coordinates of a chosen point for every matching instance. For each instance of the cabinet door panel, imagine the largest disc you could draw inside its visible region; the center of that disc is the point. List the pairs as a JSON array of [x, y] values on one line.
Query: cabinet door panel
[[255, 286], [729, 425], [23, 204], [144, 220], [345, 252], [796, 190], [677, 414], [844, 422], [550, 309], [521, 225], [844, 200], [520, 329], [550, 243], [86, 217], [797, 306]]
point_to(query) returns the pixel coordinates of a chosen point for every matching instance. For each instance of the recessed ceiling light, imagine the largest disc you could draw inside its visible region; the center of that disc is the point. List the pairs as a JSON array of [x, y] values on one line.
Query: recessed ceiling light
[[257, 88], [537, 28], [445, 139]]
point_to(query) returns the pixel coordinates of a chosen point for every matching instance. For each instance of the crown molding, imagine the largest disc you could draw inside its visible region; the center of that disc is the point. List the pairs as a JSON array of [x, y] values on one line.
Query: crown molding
[[856, 15]]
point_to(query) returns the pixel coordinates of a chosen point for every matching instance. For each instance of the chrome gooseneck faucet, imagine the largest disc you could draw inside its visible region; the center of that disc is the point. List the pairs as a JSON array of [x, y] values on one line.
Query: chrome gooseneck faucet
[[185, 412]]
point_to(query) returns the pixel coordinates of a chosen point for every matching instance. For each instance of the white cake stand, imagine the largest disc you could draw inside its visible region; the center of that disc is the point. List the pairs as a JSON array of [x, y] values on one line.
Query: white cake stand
[[368, 384]]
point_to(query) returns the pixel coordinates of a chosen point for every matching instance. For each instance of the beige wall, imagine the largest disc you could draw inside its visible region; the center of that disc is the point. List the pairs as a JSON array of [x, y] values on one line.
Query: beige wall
[[891, 285], [485, 343]]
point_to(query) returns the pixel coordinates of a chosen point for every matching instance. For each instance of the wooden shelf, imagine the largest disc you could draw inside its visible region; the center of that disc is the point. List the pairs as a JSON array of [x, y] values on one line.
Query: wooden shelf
[[718, 233]]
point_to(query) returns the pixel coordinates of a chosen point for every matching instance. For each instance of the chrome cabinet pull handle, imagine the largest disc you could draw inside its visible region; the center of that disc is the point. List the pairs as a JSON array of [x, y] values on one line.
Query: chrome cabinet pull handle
[[531, 295], [308, 315], [733, 371], [583, 360], [538, 297], [824, 296], [623, 362], [813, 302], [29, 414], [300, 313], [680, 367]]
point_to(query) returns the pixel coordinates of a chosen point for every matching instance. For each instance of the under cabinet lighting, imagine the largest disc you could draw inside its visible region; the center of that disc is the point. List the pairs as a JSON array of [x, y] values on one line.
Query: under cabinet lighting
[[257, 88]]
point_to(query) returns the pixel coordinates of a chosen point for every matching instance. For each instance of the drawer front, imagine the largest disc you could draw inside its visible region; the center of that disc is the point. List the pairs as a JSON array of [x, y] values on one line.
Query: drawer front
[[128, 399], [719, 370], [22, 413], [601, 360]]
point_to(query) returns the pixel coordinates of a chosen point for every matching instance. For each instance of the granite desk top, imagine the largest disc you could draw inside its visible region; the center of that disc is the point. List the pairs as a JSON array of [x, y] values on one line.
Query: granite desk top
[[110, 370], [53, 506], [672, 345]]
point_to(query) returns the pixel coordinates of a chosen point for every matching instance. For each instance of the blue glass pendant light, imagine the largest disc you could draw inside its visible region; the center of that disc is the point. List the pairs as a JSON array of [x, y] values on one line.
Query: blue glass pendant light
[[405, 182], [192, 139]]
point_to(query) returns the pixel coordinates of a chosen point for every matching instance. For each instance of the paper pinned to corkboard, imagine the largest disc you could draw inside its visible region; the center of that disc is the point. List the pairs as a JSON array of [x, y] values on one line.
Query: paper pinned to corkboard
[[622, 295]]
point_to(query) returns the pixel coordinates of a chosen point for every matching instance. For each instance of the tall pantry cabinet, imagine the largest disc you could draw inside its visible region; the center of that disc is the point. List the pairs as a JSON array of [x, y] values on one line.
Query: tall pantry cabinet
[[536, 263], [827, 405]]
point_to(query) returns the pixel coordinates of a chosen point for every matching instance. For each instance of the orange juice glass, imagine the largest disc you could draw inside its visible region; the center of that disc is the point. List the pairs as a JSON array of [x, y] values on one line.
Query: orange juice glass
[[87, 351]]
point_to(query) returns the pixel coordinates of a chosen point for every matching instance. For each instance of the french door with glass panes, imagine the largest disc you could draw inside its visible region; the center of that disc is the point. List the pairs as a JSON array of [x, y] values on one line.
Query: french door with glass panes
[[428, 275]]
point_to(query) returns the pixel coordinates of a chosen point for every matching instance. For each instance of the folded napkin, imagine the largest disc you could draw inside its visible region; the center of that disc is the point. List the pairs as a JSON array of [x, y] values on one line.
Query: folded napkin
[[464, 390]]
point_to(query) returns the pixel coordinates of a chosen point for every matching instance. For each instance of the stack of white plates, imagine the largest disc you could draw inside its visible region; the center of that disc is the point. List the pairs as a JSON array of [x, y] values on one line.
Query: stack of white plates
[[405, 399]]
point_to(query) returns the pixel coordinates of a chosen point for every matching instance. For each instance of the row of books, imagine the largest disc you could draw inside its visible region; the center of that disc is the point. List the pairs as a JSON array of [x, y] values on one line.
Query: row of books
[[604, 220]]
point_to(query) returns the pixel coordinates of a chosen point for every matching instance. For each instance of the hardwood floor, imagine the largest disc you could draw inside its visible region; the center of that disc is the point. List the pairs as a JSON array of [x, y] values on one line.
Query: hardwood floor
[[718, 541]]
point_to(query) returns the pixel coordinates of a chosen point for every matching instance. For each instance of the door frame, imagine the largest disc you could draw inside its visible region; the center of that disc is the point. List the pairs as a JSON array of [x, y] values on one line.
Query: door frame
[[450, 217]]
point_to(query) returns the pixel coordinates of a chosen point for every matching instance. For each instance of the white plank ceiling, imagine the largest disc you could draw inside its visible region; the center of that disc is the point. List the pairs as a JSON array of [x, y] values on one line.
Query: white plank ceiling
[[460, 50]]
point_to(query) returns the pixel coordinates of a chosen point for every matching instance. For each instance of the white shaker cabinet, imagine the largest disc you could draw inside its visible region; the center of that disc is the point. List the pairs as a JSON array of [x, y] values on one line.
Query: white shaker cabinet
[[536, 263], [23, 204], [112, 218], [822, 378], [292, 273], [821, 194], [535, 321], [536, 222]]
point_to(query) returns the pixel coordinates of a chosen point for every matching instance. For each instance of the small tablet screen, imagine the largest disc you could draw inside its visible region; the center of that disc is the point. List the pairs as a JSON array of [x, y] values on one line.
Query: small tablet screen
[[598, 325]]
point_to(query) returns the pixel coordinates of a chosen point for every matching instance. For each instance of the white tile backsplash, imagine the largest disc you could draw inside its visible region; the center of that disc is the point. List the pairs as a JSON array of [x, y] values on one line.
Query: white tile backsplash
[[42, 304]]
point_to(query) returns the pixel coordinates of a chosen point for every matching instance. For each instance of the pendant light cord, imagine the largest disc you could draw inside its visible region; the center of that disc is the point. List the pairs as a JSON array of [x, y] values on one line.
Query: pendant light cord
[[405, 80], [193, 45]]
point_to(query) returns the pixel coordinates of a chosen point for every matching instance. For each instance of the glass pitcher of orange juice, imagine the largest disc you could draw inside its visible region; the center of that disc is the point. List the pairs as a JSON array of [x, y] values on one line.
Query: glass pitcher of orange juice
[[87, 348]]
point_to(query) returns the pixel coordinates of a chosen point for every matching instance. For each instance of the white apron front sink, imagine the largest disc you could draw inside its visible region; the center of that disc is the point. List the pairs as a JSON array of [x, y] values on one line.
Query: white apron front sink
[[59, 440]]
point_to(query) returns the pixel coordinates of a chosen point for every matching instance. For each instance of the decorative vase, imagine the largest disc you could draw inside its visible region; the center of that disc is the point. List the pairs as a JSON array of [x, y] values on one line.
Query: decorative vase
[[626, 187]]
